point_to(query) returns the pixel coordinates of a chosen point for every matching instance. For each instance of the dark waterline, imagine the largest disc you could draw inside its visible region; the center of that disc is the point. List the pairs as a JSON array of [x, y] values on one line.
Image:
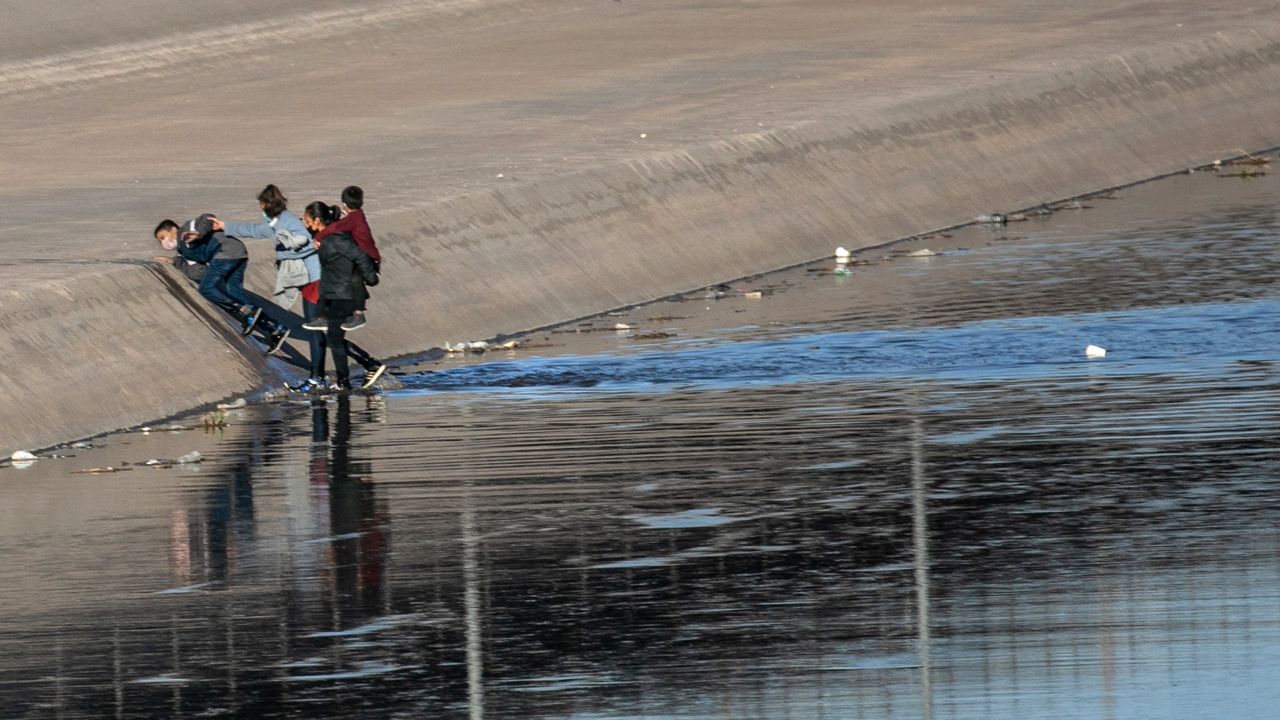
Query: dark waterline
[[920, 502]]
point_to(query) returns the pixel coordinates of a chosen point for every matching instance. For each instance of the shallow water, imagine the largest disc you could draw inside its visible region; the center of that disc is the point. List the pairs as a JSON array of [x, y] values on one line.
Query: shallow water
[[902, 493]]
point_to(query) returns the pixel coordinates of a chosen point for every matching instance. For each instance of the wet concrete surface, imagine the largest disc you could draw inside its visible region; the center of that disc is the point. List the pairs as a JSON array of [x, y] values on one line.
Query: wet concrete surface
[[900, 492]]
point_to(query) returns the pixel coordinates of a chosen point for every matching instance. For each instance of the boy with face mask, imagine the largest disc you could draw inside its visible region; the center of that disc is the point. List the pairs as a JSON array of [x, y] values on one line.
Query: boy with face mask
[[225, 259]]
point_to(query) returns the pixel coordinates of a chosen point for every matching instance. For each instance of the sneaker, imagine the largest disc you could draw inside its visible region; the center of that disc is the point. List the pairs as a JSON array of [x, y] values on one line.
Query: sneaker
[[311, 384], [317, 323], [251, 320], [355, 322], [277, 339], [372, 377], [341, 385]]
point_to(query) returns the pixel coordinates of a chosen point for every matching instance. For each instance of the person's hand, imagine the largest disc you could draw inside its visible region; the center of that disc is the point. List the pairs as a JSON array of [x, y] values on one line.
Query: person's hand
[[218, 225], [163, 259]]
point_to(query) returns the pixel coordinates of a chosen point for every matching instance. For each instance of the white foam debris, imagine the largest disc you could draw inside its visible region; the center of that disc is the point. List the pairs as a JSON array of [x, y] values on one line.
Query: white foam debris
[[22, 456], [842, 252], [1094, 351]]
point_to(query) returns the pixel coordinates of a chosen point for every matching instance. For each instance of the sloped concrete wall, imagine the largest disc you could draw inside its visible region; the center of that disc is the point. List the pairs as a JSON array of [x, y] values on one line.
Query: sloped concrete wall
[[504, 261], [130, 347]]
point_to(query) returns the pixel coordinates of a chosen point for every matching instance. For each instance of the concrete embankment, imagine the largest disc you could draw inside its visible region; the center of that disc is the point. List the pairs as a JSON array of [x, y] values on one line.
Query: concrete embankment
[[91, 346]]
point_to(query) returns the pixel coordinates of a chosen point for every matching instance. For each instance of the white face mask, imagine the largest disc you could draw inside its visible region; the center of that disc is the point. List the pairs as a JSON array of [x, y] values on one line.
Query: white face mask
[[169, 244]]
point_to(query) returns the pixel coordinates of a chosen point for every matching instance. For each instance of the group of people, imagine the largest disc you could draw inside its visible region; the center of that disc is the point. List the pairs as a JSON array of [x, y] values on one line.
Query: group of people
[[327, 257]]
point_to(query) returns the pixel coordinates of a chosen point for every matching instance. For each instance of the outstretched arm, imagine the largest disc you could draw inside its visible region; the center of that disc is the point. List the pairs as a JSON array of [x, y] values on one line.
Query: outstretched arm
[[245, 231]]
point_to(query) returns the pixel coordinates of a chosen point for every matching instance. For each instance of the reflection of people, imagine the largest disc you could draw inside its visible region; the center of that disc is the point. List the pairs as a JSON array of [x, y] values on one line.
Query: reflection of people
[[357, 521], [206, 540]]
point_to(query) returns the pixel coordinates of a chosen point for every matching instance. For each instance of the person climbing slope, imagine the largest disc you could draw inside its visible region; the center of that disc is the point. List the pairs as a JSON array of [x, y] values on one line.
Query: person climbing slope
[[225, 259]]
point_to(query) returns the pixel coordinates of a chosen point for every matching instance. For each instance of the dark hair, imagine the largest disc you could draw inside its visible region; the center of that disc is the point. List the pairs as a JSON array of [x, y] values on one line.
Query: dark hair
[[164, 225], [273, 201], [353, 197], [323, 212]]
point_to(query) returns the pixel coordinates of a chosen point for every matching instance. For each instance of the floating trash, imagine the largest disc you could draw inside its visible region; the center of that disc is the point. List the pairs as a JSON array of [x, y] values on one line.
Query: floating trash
[[22, 456], [753, 295], [843, 253], [237, 403], [100, 470], [923, 252], [192, 457], [1094, 351], [992, 219], [621, 326], [477, 347]]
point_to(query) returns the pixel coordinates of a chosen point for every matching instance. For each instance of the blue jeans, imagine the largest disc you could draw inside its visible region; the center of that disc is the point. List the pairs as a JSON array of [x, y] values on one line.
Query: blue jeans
[[223, 285]]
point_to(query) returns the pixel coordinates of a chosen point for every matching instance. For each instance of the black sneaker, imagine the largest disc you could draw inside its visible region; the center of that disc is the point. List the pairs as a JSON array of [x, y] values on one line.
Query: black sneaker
[[251, 320], [372, 377], [355, 322], [317, 323], [277, 339]]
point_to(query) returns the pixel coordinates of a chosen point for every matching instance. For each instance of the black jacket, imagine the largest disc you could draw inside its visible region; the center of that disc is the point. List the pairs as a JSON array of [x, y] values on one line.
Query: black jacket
[[344, 268]]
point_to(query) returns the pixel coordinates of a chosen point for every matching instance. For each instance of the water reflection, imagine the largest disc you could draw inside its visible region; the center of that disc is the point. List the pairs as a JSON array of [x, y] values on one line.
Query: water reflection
[[849, 520]]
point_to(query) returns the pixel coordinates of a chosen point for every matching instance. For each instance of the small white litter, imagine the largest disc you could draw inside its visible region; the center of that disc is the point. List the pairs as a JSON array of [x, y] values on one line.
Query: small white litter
[[22, 456], [843, 253], [475, 347], [621, 326], [923, 252], [192, 457], [237, 403], [1094, 351]]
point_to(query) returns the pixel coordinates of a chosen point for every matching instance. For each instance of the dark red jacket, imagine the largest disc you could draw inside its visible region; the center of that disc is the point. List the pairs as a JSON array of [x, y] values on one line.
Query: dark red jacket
[[354, 223]]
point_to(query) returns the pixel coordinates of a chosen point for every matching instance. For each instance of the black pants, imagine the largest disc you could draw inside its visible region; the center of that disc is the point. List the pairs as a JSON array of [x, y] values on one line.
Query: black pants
[[336, 340]]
